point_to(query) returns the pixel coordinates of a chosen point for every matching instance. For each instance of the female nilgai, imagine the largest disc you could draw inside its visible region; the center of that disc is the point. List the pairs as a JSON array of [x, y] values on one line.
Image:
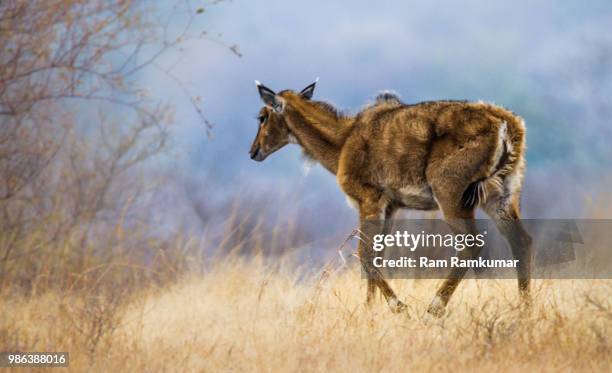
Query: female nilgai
[[451, 155]]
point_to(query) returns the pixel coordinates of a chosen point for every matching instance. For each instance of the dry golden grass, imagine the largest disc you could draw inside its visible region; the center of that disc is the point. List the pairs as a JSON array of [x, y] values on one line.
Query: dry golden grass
[[246, 316]]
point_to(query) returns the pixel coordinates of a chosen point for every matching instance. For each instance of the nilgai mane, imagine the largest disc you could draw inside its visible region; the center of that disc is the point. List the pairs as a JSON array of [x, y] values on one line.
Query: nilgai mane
[[449, 155]]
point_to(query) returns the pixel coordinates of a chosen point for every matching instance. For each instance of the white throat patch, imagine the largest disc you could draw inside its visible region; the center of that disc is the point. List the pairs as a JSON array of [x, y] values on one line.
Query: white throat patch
[[308, 163], [292, 139]]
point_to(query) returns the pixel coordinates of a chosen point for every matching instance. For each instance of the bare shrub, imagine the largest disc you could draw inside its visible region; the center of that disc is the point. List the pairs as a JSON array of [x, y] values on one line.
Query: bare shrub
[[78, 133]]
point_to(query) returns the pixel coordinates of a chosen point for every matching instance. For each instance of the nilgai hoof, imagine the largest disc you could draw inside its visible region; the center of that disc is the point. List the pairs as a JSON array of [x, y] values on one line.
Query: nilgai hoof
[[526, 307], [396, 305], [437, 308]]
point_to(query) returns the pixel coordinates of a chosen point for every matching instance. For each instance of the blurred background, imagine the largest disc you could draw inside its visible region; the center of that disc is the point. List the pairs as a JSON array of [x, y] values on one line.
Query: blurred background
[[550, 62], [125, 125]]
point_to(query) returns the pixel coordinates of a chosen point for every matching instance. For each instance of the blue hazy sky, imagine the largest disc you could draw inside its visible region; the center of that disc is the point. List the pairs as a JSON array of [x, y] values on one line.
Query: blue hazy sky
[[540, 59]]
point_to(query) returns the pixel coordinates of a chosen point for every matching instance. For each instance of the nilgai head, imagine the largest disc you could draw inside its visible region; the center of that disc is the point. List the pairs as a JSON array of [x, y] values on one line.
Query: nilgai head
[[273, 132]]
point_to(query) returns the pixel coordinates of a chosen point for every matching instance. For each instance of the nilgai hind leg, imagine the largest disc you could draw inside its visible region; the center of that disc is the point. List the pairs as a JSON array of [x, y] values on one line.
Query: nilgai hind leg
[[453, 171], [461, 221], [504, 210]]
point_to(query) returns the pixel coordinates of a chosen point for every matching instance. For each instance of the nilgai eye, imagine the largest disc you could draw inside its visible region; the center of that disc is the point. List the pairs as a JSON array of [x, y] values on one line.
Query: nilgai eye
[[261, 118]]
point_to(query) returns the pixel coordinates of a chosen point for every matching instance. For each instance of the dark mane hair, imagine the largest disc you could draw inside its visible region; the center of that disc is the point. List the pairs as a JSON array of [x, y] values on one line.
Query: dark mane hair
[[324, 105], [388, 96]]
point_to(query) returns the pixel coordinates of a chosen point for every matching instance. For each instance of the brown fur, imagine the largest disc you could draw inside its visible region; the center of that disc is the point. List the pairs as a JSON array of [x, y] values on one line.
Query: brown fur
[[451, 155]]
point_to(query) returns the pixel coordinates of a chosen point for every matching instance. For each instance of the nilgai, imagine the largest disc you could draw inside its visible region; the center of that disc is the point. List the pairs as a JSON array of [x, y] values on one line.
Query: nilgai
[[449, 155]]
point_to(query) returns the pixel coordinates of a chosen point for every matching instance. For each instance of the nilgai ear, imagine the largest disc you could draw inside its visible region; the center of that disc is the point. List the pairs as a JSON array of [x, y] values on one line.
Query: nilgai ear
[[308, 91], [268, 97]]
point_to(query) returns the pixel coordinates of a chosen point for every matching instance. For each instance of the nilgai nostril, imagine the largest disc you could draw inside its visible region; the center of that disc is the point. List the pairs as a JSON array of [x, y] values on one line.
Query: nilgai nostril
[[454, 156]]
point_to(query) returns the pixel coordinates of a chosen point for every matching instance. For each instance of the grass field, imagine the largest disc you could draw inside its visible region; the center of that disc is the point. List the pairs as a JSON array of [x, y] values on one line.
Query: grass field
[[248, 316]]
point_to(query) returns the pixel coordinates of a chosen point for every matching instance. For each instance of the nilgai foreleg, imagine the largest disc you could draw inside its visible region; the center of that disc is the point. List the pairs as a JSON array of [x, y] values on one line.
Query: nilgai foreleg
[[387, 226], [371, 212]]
